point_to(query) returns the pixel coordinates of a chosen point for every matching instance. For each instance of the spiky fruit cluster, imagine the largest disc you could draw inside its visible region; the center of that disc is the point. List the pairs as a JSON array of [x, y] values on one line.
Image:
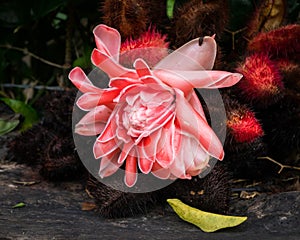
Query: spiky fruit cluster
[[279, 43], [244, 126], [151, 44], [198, 18], [262, 81]]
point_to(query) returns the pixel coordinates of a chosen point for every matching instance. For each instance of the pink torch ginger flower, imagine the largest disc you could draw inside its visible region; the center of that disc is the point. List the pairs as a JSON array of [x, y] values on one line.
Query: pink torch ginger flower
[[150, 119]]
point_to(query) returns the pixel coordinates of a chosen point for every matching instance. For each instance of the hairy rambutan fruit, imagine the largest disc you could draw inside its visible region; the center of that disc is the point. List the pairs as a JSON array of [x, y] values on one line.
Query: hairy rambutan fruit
[[113, 203], [244, 139], [244, 126], [28, 146], [279, 43], [133, 17], [197, 19], [49, 145], [210, 193], [130, 17], [262, 81], [60, 161], [291, 74], [281, 123], [150, 45]]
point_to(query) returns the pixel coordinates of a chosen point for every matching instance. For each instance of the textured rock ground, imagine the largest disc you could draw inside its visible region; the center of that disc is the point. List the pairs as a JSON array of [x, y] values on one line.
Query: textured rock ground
[[54, 212]]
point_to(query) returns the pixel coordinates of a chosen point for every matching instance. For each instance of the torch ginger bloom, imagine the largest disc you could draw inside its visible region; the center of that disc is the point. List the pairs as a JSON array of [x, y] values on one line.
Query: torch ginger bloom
[[150, 119]]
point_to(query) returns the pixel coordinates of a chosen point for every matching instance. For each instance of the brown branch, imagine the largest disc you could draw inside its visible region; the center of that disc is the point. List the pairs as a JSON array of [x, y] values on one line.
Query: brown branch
[[282, 166], [233, 33], [25, 51]]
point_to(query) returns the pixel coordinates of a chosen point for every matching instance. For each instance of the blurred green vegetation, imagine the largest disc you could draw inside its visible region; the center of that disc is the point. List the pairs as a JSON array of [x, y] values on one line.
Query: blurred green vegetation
[[40, 42]]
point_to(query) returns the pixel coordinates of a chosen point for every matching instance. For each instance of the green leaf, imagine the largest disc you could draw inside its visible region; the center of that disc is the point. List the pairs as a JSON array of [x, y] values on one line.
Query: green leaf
[[7, 126], [170, 8], [29, 114], [207, 222], [41, 8], [19, 205], [85, 60]]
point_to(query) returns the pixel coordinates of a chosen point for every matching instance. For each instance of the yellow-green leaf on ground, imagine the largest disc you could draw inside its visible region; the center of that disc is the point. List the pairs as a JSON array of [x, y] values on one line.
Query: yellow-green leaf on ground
[[19, 205], [207, 222]]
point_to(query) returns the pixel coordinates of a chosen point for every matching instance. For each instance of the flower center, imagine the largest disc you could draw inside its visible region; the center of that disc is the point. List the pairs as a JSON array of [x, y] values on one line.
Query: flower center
[[137, 117], [146, 111]]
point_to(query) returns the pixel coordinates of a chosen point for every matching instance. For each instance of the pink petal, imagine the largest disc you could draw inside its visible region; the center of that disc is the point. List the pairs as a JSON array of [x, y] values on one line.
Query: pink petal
[[108, 133], [81, 81], [145, 165], [108, 40], [122, 82], [187, 80], [142, 68], [165, 148], [196, 104], [106, 143], [109, 164], [93, 122], [191, 56], [147, 150], [90, 100], [127, 147], [192, 123], [160, 172], [101, 149], [110, 66], [131, 169], [222, 79]]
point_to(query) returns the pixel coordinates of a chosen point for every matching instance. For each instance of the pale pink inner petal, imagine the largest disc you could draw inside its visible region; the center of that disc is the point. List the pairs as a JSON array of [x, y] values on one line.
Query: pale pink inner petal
[[191, 56]]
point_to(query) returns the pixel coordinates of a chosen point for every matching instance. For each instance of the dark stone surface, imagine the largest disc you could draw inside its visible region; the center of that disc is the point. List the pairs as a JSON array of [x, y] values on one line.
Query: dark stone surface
[[54, 212]]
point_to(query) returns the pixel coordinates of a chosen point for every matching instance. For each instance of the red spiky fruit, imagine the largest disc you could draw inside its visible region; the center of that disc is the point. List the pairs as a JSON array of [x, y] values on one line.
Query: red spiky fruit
[[262, 81], [279, 43], [150, 46], [243, 126]]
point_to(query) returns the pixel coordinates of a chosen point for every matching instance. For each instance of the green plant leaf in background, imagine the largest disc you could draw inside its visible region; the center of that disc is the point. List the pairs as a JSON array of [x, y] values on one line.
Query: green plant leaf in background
[[7, 126], [207, 222], [170, 8], [29, 113]]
